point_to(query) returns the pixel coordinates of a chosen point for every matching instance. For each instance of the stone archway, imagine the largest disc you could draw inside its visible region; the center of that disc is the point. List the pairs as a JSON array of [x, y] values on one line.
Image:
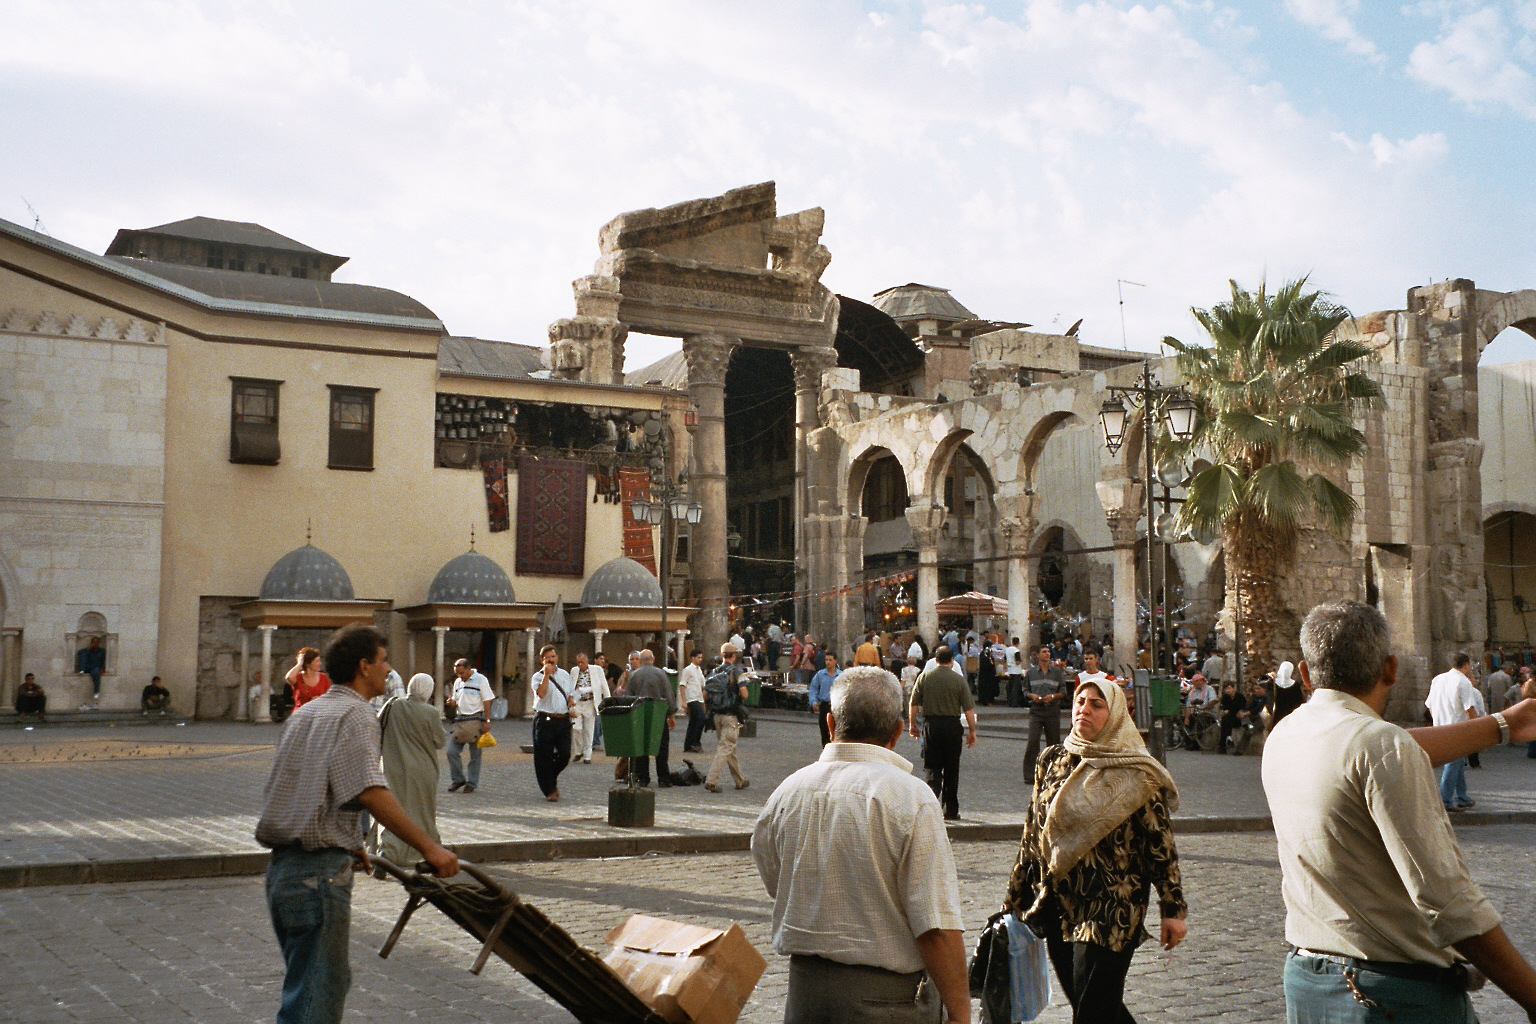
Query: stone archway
[[1509, 551]]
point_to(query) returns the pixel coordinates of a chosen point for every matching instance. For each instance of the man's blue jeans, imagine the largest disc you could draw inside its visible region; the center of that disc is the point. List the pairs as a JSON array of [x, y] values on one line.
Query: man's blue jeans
[[1316, 993], [309, 895], [456, 759], [1453, 783]]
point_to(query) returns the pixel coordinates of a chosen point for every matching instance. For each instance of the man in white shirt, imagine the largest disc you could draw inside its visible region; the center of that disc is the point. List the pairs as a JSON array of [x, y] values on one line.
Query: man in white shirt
[[691, 684], [1379, 903], [553, 703], [591, 686], [1015, 665], [1202, 697], [853, 851], [1452, 698], [469, 703]]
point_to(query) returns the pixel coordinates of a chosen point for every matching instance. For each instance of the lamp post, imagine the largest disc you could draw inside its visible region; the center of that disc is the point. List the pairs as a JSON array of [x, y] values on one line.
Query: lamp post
[[671, 506], [1167, 406]]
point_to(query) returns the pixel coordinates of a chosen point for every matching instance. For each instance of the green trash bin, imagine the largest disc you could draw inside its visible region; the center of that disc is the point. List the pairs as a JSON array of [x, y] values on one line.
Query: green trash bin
[[1165, 697], [754, 691], [634, 729]]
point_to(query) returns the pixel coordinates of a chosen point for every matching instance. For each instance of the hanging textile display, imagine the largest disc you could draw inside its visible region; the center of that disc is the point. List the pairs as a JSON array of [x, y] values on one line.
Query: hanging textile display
[[551, 517], [636, 483], [494, 470]]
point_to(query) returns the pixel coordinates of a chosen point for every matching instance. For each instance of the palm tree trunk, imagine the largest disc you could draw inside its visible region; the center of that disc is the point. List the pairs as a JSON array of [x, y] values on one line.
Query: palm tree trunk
[[1255, 556]]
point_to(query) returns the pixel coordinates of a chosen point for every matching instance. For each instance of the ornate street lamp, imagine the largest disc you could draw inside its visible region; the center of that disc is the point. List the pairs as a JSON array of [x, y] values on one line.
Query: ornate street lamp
[[1163, 407], [672, 507]]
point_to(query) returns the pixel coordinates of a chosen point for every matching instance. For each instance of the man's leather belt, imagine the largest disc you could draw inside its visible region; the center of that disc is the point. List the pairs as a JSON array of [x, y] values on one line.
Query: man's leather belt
[[1454, 977]]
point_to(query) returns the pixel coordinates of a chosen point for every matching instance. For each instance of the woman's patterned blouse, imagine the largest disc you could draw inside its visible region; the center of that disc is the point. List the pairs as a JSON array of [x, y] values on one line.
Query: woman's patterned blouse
[[1103, 898]]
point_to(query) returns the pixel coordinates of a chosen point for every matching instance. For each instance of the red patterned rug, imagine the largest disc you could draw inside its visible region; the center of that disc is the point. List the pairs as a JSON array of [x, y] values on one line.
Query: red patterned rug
[[551, 517], [638, 541]]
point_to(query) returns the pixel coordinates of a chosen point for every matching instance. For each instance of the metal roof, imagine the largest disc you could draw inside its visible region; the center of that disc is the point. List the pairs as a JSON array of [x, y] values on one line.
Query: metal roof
[[671, 371], [229, 232], [914, 301], [139, 272], [621, 583], [471, 578], [307, 574], [308, 293], [480, 357]]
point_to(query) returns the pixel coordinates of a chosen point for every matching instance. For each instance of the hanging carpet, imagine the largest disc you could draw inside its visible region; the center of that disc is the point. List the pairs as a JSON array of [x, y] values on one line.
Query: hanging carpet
[[636, 483], [551, 517]]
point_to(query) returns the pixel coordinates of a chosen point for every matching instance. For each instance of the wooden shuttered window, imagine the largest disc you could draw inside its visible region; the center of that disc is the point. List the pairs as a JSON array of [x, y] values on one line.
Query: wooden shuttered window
[[253, 421], [351, 442]]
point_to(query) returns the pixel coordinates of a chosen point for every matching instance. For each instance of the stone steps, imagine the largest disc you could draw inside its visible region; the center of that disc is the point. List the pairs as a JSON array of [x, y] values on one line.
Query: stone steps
[[9, 719]]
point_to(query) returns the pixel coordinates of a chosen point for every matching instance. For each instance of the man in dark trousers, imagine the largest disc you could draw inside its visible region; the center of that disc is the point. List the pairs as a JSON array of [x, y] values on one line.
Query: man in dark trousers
[[939, 697], [325, 773], [1045, 690], [650, 681]]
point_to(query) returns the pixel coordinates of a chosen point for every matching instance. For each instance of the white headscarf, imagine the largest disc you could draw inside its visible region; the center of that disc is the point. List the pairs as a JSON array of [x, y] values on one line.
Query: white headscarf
[[1284, 678], [421, 687]]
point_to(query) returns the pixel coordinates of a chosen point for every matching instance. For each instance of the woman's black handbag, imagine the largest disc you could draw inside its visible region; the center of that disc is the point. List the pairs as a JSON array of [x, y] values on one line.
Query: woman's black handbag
[[989, 971]]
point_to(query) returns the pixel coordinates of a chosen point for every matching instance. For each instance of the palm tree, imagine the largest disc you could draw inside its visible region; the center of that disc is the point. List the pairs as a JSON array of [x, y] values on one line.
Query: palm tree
[[1277, 392]]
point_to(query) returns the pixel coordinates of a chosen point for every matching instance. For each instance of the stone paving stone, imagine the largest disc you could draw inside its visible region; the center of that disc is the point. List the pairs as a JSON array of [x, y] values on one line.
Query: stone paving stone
[[202, 949], [68, 811]]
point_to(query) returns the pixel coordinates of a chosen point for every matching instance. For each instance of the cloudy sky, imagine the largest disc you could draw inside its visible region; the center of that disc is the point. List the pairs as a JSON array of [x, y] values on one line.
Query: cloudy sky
[[1028, 155]]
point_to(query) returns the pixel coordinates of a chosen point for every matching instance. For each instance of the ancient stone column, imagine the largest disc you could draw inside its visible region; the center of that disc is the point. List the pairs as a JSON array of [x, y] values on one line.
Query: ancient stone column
[[808, 363], [443, 685], [263, 699], [244, 703], [10, 668], [853, 622], [1122, 531], [681, 654], [1017, 531], [707, 356], [597, 642], [927, 519]]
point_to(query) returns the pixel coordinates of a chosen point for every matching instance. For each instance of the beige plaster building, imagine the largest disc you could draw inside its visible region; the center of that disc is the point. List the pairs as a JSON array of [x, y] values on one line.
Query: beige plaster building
[[170, 430]]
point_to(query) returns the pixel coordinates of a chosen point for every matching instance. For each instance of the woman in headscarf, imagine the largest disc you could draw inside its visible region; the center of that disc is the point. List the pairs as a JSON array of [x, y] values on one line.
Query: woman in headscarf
[[411, 735], [1096, 838], [1288, 696]]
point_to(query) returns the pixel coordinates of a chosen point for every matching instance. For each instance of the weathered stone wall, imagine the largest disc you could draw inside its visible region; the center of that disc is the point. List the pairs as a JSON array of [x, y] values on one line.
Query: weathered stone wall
[[82, 451]]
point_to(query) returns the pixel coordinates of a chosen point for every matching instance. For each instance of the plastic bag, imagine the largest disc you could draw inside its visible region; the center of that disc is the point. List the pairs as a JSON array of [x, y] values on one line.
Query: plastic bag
[[486, 740], [1029, 971]]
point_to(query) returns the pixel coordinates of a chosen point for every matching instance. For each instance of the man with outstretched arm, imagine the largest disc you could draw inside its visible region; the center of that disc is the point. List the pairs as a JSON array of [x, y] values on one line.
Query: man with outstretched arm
[[325, 773], [852, 849], [1381, 914]]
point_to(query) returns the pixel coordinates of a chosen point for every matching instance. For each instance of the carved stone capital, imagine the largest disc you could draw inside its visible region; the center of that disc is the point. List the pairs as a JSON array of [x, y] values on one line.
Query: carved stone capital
[[926, 521], [1123, 524], [810, 363], [988, 376], [707, 356], [1016, 532]]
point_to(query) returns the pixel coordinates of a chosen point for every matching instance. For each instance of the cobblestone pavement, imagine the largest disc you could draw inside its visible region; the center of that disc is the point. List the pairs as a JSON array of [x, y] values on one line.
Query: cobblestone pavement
[[203, 950], [92, 793]]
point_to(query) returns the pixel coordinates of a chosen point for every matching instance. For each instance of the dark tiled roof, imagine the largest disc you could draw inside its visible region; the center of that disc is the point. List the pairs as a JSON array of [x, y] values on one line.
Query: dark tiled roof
[[621, 583], [232, 232], [477, 357], [283, 291], [471, 578], [920, 302], [671, 371], [307, 574]]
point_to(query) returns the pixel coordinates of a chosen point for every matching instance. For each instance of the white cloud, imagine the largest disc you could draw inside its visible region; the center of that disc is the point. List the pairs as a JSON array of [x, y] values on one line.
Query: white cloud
[[1332, 19], [1481, 59], [1026, 157]]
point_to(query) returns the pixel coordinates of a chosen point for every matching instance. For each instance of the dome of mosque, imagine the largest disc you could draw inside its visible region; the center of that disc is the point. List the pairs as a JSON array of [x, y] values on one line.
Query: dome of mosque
[[307, 574], [471, 578], [621, 583]]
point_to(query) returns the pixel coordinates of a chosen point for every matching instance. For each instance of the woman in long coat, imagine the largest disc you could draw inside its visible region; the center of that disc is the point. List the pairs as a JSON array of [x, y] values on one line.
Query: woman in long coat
[[1096, 839], [412, 734]]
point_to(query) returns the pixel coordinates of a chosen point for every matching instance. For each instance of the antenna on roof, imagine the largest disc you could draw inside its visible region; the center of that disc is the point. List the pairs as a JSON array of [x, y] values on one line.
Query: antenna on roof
[[37, 218], [471, 536], [309, 529], [1121, 292]]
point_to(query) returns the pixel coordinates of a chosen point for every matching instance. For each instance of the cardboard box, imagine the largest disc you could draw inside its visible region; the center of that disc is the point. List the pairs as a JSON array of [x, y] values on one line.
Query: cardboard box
[[686, 973]]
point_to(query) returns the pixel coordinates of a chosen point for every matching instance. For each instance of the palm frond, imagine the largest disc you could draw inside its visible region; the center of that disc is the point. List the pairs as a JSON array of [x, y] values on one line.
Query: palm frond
[[1333, 504]]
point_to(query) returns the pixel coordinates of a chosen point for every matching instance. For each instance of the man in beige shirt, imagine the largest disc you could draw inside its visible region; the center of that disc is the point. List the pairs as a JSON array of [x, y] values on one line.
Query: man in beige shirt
[[853, 851], [1379, 905]]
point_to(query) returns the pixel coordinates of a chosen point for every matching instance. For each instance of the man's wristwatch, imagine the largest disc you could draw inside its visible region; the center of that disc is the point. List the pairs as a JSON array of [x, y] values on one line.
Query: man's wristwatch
[[1498, 716]]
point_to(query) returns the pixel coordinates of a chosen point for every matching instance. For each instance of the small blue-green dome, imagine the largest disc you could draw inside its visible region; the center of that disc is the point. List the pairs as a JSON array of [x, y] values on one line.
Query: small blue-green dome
[[307, 574], [622, 583], [471, 578]]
